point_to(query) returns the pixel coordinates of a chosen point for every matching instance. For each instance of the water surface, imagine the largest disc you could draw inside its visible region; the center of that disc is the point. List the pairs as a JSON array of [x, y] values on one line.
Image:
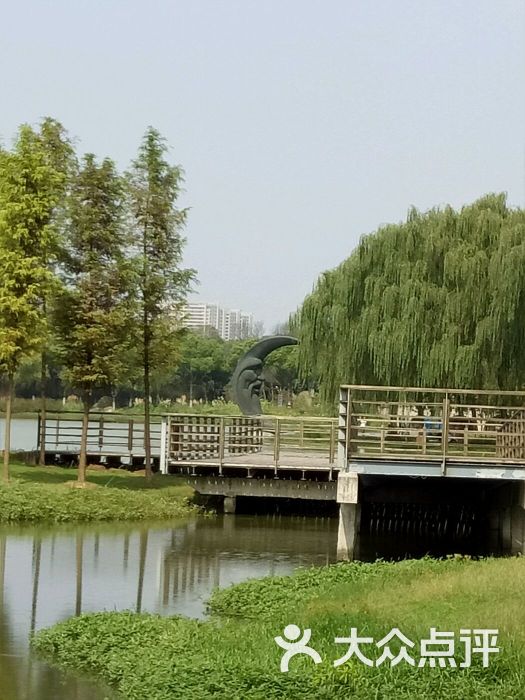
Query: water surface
[[50, 574]]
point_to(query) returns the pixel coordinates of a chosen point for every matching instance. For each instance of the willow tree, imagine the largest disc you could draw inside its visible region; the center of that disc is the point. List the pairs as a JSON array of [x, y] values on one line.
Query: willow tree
[[436, 301], [30, 184]]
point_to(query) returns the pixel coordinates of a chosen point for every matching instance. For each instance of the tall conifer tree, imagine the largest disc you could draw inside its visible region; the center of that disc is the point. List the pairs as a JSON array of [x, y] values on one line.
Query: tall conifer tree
[[154, 187], [60, 156], [93, 312]]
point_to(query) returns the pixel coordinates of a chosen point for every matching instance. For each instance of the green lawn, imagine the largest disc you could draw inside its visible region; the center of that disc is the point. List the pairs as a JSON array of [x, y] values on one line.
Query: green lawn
[[38, 494], [233, 655]]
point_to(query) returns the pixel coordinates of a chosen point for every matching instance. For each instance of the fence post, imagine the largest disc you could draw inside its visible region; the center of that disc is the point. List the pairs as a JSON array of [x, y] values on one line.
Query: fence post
[[444, 430], [100, 432], [348, 425], [39, 432], [331, 447], [163, 462], [221, 443], [130, 435], [276, 444]]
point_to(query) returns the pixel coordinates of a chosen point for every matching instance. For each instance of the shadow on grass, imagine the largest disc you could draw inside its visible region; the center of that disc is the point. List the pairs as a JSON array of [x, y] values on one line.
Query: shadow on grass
[[111, 478]]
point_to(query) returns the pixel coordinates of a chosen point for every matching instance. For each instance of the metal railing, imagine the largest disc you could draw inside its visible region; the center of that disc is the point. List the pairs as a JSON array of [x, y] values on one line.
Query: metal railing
[[431, 424]]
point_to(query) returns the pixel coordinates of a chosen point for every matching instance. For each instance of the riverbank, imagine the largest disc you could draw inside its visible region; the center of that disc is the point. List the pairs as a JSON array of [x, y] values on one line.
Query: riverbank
[[44, 494], [233, 655], [27, 408]]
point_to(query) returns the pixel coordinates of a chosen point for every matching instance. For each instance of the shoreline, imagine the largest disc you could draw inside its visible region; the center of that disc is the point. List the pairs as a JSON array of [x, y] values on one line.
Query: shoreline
[[44, 495], [233, 654]]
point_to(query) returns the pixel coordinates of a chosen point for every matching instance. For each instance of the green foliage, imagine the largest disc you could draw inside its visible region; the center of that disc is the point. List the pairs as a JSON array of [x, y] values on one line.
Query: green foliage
[[162, 283], [274, 595], [436, 301], [154, 187], [40, 495], [236, 658], [93, 312], [30, 187]]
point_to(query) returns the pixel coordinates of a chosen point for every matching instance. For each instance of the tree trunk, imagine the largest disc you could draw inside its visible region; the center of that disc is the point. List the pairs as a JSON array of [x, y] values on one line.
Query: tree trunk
[[37, 552], [43, 410], [3, 542], [7, 436], [143, 550], [79, 572], [82, 459], [147, 388]]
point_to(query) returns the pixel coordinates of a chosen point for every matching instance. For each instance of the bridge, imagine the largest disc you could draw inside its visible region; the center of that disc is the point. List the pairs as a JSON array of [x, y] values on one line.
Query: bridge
[[405, 448]]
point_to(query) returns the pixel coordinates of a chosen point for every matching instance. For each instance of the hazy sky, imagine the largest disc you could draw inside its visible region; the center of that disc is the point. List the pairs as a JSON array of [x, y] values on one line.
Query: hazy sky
[[300, 124]]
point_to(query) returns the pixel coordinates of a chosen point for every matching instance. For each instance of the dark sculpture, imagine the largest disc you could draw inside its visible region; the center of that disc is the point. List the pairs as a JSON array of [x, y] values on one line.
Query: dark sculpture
[[247, 380]]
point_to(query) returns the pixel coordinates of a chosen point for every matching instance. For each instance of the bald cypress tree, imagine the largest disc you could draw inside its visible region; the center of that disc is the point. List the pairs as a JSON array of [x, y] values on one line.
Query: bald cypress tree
[[93, 313], [162, 282], [60, 156], [436, 301]]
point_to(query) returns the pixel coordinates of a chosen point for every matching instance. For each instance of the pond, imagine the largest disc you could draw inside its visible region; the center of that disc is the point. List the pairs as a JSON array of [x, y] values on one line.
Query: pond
[[50, 574], [24, 433]]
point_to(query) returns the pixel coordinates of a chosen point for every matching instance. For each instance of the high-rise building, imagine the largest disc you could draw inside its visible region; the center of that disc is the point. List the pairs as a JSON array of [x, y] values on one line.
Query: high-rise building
[[229, 324]]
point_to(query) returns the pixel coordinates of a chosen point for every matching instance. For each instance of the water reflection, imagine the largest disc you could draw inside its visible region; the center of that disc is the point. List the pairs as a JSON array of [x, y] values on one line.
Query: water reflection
[[50, 575]]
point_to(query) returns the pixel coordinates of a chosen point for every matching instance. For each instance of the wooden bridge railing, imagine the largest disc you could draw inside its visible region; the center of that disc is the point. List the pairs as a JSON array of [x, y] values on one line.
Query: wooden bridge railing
[[246, 441], [184, 439], [427, 424], [108, 434]]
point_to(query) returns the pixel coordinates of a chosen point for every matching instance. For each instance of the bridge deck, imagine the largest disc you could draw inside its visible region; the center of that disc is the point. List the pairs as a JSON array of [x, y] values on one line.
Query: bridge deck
[[288, 459]]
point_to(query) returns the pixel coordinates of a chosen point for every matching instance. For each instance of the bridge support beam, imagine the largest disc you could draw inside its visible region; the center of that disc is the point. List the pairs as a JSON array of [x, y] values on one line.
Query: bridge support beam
[[230, 504], [349, 515], [516, 521], [507, 519]]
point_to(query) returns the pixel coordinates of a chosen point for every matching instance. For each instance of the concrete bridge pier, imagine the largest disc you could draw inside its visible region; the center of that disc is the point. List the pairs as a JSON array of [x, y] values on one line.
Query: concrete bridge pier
[[508, 518], [349, 515], [230, 504]]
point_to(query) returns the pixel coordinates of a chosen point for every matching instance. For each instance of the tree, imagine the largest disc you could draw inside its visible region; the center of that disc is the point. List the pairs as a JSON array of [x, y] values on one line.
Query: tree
[[29, 187], [436, 301], [61, 157], [93, 312], [201, 372], [282, 367], [154, 187]]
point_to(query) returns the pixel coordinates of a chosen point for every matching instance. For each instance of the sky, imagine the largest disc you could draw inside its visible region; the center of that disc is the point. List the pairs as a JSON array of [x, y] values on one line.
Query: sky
[[300, 124]]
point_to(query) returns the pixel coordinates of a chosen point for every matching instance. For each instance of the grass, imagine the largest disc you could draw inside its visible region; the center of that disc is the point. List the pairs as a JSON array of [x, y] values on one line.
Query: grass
[[41, 494], [29, 408], [233, 656]]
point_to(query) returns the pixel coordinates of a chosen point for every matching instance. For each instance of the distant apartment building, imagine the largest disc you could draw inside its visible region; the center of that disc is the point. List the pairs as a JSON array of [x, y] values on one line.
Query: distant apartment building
[[230, 324]]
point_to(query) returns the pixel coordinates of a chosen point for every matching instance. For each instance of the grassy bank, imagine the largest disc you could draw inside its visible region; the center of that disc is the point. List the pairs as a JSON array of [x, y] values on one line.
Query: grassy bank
[[43, 494], [28, 408], [233, 656]]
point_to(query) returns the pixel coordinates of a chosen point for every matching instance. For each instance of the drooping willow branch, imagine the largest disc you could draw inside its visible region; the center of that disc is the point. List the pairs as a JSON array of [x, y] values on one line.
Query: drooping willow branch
[[436, 301]]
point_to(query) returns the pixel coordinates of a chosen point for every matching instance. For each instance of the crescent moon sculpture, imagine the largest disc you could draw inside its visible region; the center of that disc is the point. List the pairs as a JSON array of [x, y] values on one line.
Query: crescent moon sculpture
[[247, 379]]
